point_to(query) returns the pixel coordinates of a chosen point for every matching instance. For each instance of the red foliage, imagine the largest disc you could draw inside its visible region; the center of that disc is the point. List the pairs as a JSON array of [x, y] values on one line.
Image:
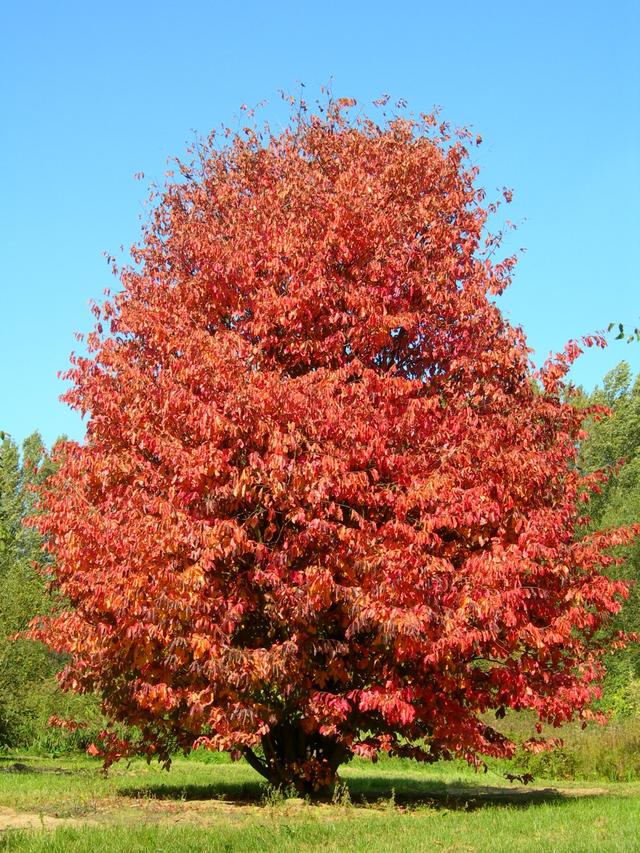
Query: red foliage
[[323, 508]]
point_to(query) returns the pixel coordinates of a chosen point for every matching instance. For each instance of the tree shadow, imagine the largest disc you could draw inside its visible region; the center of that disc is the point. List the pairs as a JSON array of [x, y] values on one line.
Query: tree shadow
[[22, 767], [229, 791], [371, 791], [456, 795]]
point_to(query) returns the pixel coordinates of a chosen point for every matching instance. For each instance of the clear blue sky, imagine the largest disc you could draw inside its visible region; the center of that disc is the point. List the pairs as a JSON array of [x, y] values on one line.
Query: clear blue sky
[[92, 93]]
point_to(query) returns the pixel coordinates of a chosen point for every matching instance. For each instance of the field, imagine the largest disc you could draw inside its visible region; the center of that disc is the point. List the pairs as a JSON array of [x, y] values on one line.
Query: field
[[69, 805]]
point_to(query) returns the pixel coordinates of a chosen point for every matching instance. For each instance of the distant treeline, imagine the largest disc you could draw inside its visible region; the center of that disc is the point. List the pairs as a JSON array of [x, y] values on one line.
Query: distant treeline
[[29, 694], [609, 440]]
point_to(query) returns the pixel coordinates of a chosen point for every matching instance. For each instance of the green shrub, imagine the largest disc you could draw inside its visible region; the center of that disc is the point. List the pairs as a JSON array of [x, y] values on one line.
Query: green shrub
[[610, 753]]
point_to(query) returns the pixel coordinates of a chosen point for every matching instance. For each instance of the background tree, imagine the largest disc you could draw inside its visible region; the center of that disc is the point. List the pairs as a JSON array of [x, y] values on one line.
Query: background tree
[[611, 440], [24, 665], [29, 693], [321, 509]]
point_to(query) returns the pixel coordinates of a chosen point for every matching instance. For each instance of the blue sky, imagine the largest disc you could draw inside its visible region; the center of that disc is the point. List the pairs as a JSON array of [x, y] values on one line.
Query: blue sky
[[93, 93]]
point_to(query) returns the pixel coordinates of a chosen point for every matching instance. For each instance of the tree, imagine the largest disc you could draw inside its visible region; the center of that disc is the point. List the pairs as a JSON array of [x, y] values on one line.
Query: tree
[[322, 509], [24, 666], [610, 441]]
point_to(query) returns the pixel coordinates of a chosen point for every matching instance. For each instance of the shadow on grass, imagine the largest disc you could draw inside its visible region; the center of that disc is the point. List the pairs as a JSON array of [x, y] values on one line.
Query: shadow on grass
[[452, 795], [240, 792], [374, 790]]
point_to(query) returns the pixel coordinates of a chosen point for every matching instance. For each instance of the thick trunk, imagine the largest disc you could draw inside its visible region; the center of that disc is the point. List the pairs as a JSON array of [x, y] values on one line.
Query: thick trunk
[[293, 758]]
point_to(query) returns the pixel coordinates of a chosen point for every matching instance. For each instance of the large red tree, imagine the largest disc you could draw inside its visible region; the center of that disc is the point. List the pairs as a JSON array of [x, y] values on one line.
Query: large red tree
[[322, 508]]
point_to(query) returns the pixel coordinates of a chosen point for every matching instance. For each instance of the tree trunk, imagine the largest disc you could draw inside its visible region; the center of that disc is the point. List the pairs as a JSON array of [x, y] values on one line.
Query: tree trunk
[[293, 758]]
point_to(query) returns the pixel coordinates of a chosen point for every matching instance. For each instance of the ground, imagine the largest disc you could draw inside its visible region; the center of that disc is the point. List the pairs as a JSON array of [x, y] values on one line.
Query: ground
[[213, 805]]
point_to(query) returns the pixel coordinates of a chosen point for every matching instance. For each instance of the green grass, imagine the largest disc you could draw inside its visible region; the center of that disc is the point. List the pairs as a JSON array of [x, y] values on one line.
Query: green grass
[[394, 805]]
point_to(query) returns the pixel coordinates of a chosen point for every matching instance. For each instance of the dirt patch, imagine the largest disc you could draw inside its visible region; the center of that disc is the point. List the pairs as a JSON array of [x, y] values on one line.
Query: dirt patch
[[149, 811], [202, 811], [11, 819]]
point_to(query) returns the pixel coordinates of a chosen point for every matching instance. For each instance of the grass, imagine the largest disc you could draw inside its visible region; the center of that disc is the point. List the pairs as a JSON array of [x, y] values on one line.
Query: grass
[[394, 805]]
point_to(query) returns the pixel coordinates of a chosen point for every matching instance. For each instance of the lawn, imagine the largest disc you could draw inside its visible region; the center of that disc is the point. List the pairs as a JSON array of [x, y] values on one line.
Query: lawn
[[69, 805]]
